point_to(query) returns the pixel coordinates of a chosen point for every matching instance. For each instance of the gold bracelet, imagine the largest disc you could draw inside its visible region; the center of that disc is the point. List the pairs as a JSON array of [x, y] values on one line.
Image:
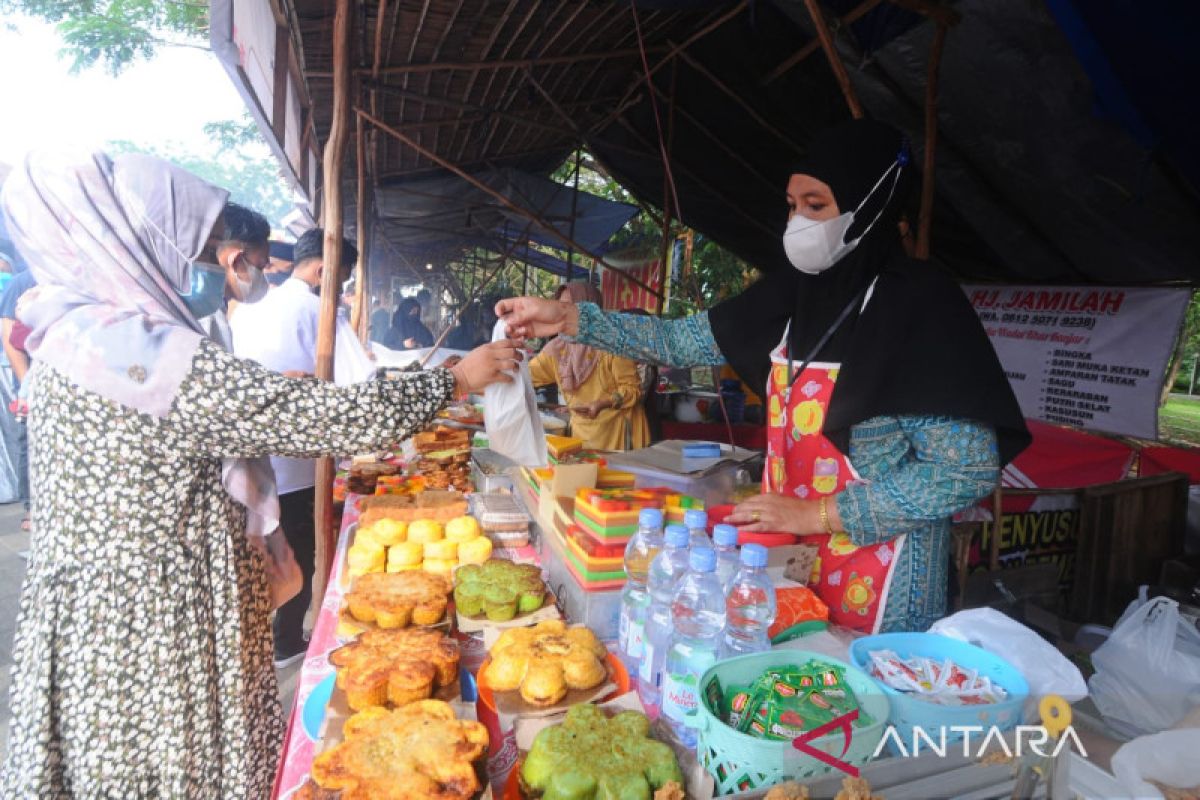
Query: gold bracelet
[[825, 517]]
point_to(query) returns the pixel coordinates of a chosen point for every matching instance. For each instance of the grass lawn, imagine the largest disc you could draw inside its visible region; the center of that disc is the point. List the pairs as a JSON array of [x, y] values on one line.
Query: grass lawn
[[1179, 420]]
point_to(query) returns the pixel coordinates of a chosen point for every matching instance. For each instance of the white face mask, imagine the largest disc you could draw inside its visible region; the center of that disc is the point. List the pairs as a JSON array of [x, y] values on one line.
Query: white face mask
[[814, 246]]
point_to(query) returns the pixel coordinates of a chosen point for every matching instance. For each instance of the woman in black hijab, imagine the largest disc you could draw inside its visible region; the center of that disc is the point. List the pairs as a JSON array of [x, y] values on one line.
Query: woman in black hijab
[[888, 408], [408, 332]]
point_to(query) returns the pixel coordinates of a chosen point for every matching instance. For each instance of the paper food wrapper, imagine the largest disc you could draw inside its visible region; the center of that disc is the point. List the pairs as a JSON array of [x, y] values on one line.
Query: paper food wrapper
[[699, 784], [511, 704], [549, 610]]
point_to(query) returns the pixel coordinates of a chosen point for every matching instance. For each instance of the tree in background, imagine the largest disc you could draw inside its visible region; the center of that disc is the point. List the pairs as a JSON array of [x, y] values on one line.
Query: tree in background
[[118, 32], [246, 170]]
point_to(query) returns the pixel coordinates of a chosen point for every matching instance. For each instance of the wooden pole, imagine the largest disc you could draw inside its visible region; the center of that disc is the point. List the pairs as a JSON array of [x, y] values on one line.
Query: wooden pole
[[360, 312], [835, 61], [574, 211], [669, 195], [997, 520], [925, 220], [488, 190], [335, 150]]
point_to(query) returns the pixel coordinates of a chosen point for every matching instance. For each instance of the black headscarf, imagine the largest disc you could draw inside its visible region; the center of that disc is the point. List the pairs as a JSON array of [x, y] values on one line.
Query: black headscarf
[[918, 346]]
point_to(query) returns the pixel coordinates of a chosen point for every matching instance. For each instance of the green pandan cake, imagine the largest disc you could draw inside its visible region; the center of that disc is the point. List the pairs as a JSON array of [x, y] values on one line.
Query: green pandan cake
[[590, 756]]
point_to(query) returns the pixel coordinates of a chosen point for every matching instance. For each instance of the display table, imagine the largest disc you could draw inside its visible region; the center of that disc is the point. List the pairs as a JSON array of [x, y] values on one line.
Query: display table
[[312, 688], [752, 437]]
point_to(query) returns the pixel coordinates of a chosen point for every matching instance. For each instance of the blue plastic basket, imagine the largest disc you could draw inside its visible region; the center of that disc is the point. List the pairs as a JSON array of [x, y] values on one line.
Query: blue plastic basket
[[738, 761], [909, 711]]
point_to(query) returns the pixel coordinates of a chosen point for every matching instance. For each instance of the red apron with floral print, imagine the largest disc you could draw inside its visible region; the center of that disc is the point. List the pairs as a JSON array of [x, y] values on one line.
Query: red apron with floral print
[[802, 462]]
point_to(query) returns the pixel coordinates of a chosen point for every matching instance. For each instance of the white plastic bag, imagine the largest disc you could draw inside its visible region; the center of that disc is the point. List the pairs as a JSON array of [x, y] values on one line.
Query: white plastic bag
[[510, 415], [284, 578], [1168, 757], [1046, 669], [1148, 672]]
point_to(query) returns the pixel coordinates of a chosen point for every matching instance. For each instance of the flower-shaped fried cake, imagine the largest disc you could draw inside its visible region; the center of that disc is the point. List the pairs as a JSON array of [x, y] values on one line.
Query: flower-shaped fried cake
[[395, 667], [399, 599], [546, 660], [418, 752]]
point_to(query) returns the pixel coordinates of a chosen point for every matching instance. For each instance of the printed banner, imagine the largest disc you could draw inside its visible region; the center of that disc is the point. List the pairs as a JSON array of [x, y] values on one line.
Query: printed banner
[[624, 295], [1089, 357]]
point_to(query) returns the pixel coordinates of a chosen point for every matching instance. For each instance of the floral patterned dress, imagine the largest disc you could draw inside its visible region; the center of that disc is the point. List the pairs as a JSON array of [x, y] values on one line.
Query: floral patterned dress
[[143, 652]]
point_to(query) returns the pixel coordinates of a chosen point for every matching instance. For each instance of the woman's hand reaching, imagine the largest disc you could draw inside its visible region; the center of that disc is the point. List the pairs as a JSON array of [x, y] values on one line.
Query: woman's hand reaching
[[529, 317], [485, 365], [777, 513]]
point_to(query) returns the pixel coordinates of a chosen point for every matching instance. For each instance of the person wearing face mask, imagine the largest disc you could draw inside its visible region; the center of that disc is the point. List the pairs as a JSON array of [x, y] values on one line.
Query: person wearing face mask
[[241, 255], [888, 409], [280, 333], [282, 259], [408, 332], [142, 659]]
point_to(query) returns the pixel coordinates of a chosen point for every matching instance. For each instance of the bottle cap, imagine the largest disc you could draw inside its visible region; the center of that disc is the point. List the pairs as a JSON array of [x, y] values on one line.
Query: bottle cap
[[650, 518], [677, 536], [695, 519], [702, 559], [725, 535], [754, 555]]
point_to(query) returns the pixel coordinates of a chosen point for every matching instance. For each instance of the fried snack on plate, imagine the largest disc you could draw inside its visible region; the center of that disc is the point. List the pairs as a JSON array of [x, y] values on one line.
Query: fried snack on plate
[[788, 791], [395, 667], [413, 753], [398, 599], [856, 789], [545, 660]]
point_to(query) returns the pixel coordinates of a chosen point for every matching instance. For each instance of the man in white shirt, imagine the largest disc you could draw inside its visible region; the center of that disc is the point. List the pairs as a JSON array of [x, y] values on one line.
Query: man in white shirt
[[280, 332]]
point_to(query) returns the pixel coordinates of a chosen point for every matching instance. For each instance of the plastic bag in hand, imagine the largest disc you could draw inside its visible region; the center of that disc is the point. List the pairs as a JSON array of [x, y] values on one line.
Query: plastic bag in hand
[[510, 415], [1148, 672]]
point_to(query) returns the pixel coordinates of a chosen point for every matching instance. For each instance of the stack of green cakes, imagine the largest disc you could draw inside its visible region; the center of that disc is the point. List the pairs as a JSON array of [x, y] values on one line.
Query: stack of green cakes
[[498, 589]]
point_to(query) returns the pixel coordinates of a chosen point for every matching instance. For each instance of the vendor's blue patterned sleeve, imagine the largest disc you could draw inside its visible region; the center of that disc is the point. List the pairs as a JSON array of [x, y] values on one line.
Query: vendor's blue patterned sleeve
[[929, 469], [685, 342]]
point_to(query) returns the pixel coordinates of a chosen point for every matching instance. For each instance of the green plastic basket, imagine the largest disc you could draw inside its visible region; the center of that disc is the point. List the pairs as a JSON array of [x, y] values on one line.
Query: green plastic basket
[[738, 761]]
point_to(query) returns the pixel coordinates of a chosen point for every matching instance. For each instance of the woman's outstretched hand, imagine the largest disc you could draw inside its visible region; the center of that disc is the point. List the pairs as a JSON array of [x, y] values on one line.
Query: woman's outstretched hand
[[776, 513], [529, 317], [485, 365]]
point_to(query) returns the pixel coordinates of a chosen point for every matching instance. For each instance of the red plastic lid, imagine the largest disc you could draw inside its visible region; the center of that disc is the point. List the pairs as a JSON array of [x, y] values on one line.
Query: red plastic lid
[[718, 514]]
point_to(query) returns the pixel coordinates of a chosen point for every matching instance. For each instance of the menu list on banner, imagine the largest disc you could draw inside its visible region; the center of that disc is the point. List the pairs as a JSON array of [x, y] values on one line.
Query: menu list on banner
[[1091, 357]]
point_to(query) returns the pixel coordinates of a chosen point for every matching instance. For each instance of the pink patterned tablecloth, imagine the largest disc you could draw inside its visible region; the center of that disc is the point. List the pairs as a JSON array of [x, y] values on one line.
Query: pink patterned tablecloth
[[299, 748]]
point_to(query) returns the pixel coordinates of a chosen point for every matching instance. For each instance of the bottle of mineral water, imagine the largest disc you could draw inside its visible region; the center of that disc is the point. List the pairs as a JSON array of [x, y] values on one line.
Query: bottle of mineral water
[[749, 605], [697, 615], [725, 542], [696, 522], [665, 572], [643, 546]]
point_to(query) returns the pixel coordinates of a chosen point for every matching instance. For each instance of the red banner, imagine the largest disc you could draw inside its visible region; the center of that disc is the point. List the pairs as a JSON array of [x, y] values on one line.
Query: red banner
[[1157, 460], [621, 294]]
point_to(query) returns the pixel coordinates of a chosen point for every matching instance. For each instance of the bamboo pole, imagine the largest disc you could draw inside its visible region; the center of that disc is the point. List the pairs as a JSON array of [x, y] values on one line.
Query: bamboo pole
[[359, 313], [497, 196], [925, 220], [335, 150], [855, 14], [574, 211], [835, 61], [508, 63], [997, 521], [670, 198]]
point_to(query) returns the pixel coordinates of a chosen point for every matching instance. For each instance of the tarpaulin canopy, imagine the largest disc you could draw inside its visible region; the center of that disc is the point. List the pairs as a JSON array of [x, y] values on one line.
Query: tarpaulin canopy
[[1065, 152]]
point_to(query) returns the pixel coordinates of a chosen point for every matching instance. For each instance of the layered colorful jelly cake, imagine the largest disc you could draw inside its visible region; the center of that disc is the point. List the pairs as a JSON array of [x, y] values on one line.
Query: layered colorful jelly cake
[[611, 515]]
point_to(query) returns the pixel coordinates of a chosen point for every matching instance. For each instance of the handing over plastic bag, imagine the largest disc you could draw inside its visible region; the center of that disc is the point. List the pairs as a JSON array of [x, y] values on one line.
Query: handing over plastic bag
[[510, 415]]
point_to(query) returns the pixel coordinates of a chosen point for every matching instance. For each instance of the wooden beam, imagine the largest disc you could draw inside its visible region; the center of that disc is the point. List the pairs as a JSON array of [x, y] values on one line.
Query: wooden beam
[[508, 63], [483, 187], [855, 14], [335, 150], [835, 60], [925, 220], [279, 95], [642, 76]]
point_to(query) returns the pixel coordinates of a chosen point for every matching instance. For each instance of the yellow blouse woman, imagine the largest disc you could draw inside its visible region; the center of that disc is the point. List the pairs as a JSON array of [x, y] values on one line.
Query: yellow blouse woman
[[603, 391]]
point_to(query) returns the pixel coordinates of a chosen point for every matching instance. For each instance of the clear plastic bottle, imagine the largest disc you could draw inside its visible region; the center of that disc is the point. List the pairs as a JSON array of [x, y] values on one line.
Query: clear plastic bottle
[[643, 546], [665, 571], [697, 616], [725, 542], [696, 522], [749, 605]]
